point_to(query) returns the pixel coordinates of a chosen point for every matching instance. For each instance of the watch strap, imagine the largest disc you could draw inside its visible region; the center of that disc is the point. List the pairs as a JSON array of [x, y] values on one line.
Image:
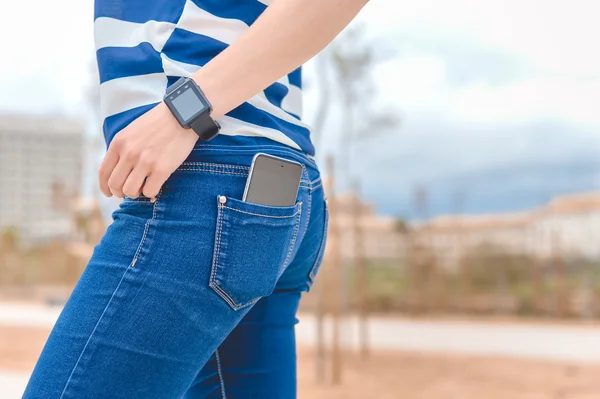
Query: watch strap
[[205, 127]]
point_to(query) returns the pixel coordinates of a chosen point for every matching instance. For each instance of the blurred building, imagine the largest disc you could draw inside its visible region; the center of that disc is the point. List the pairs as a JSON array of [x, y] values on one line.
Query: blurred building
[[451, 237], [567, 226], [382, 237], [40, 175]]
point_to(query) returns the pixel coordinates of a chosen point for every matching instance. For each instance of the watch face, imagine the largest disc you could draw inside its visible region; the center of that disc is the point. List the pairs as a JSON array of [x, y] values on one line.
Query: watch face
[[187, 103]]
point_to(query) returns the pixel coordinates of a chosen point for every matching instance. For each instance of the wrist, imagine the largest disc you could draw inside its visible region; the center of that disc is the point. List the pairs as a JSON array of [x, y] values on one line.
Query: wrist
[[211, 92], [191, 108], [169, 121]]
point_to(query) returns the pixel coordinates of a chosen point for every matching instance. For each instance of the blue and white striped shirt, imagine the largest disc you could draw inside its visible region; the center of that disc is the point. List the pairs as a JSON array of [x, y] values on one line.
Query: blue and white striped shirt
[[142, 46]]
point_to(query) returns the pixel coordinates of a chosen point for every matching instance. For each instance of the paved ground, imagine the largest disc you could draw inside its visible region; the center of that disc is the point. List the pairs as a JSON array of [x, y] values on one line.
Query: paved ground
[[385, 375], [407, 362], [580, 343]]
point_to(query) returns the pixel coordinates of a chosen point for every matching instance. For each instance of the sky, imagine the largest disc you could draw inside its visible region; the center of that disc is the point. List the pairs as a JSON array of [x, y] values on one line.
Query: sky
[[498, 99]]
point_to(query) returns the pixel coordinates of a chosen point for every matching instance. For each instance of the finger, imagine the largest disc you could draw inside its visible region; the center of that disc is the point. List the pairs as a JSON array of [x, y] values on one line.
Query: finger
[[155, 181], [106, 168], [134, 182], [118, 177]]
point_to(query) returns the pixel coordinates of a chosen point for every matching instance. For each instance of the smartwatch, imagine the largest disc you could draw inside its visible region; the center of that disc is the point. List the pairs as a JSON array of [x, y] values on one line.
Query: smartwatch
[[191, 108]]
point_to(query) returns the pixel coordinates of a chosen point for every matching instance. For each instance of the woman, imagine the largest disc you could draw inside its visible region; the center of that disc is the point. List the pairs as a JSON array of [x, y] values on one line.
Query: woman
[[186, 295]]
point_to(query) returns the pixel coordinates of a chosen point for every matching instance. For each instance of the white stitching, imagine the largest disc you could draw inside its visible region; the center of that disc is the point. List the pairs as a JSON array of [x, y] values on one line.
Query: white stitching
[[224, 172], [296, 228], [217, 250], [313, 273], [216, 256], [309, 211], [213, 171], [266, 216], [223, 294], [91, 335], [220, 372], [245, 149], [146, 228], [216, 165], [112, 296]]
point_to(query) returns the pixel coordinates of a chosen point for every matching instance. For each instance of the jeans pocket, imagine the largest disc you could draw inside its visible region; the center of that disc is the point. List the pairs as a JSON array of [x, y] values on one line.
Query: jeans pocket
[[253, 246], [319, 260]]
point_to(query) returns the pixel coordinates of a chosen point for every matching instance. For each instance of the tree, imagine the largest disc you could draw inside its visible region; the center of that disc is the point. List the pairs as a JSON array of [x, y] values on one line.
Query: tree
[[353, 59]]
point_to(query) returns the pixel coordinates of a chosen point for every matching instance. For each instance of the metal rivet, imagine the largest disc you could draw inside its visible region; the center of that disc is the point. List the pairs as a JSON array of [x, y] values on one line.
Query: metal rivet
[[222, 199]]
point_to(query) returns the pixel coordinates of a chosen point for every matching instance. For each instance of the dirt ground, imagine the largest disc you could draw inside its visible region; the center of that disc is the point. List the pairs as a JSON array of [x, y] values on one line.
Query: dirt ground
[[391, 375]]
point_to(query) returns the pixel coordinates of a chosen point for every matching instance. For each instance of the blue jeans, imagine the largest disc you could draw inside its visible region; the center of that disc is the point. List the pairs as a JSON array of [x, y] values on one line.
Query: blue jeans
[[193, 295]]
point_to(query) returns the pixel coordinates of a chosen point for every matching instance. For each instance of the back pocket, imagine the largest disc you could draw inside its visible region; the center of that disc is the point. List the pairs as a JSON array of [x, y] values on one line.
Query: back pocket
[[253, 246]]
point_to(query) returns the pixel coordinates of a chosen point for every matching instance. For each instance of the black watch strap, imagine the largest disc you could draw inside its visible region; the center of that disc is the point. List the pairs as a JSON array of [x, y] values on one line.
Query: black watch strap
[[205, 127]]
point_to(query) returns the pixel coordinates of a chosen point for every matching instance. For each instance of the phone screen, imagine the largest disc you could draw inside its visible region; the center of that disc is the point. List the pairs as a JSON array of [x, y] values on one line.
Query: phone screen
[[273, 181]]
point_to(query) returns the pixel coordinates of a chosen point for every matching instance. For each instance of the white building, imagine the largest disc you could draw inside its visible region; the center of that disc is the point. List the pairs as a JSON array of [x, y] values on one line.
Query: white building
[[40, 173], [451, 237], [569, 225], [381, 238]]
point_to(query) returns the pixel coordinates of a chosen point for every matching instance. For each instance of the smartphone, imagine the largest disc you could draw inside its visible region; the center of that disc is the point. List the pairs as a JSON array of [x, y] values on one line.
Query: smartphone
[[273, 181]]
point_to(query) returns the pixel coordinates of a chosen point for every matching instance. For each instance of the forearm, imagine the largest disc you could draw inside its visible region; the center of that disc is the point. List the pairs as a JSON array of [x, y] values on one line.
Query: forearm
[[285, 36]]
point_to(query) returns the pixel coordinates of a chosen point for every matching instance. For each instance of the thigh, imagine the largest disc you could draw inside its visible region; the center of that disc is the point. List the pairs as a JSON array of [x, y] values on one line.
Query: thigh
[[163, 289], [258, 358]]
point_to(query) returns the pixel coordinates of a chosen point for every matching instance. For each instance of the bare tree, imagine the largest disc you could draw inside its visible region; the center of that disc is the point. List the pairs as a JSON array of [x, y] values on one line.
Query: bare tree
[[354, 58]]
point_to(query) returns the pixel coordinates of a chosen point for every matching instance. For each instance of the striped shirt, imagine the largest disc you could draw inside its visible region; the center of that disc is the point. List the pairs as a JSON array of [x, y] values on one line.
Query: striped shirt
[[143, 46]]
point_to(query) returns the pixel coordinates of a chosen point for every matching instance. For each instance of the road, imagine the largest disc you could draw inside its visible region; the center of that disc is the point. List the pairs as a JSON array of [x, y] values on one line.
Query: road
[[578, 343], [571, 343]]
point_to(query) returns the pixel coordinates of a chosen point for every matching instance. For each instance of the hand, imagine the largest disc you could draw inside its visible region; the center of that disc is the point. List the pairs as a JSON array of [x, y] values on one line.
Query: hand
[[152, 146]]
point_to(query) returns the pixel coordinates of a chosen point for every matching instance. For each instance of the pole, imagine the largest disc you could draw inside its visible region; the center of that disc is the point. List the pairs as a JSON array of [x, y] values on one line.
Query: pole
[[337, 276], [561, 278], [320, 310], [362, 278]]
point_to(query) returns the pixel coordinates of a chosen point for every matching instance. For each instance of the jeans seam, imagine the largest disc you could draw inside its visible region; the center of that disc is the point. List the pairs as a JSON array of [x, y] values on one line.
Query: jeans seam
[[215, 165], [91, 335], [308, 212], [199, 168], [220, 372], [295, 235], [110, 301], [223, 172], [312, 274], [146, 229], [266, 216], [248, 149], [213, 275]]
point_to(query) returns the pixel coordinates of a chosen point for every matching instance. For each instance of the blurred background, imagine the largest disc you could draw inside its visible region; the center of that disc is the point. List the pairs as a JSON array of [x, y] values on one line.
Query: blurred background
[[461, 144]]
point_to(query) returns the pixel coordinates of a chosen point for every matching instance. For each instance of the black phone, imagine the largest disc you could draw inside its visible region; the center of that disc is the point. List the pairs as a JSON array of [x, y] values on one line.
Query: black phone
[[273, 181]]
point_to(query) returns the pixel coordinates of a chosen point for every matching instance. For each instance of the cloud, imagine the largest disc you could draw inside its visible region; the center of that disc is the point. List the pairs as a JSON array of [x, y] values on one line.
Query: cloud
[[551, 35], [497, 168], [48, 48], [499, 100]]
